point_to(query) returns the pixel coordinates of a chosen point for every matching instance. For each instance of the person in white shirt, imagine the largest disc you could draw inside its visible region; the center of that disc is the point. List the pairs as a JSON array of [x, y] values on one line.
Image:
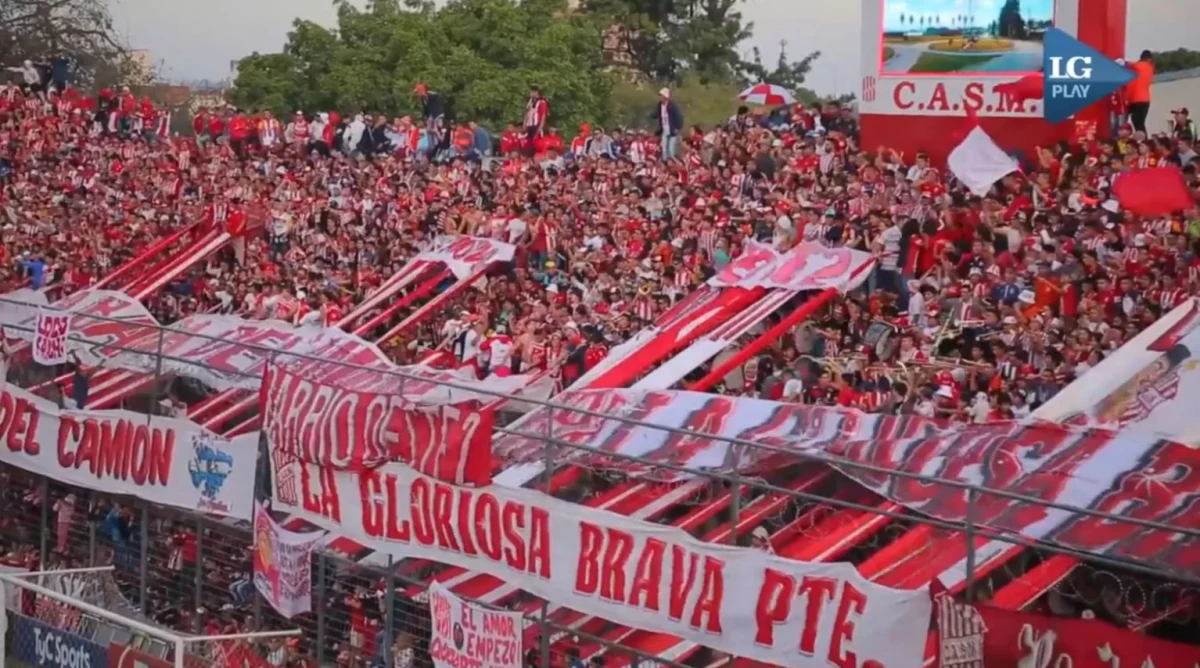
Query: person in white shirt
[[29, 75], [498, 348], [981, 408], [354, 134], [467, 345]]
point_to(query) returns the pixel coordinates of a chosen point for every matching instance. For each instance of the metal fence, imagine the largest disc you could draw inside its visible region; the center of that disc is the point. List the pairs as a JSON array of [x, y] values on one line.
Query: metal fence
[[186, 569]]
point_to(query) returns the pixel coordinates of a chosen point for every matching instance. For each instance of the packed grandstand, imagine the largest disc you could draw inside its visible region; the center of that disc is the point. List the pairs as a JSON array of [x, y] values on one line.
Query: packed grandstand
[[686, 409]]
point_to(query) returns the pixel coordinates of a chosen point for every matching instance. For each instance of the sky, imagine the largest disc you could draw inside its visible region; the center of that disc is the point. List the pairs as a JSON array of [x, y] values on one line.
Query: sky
[[984, 11], [197, 40]]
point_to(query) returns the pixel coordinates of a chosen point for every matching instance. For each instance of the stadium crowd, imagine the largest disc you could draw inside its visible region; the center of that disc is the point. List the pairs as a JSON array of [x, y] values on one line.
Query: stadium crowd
[[979, 308]]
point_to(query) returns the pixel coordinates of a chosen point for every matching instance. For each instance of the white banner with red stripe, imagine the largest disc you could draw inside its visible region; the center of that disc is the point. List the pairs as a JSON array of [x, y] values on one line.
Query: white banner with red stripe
[[805, 266], [463, 254], [162, 460], [1133, 471], [735, 290], [227, 352], [1151, 379], [737, 600]]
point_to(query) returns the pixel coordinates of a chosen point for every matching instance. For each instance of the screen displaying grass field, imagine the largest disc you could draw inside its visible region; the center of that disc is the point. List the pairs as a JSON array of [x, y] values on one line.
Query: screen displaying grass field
[[964, 36]]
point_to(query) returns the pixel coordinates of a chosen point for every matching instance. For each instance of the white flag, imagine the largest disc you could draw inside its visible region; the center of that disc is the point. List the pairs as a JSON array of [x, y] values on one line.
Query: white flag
[[979, 163]]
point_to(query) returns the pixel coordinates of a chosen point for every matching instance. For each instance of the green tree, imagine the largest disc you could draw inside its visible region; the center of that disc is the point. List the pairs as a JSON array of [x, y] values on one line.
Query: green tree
[[786, 73], [1010, 22], [481, 55], [1176, 61], [669, 40], [79, 30]]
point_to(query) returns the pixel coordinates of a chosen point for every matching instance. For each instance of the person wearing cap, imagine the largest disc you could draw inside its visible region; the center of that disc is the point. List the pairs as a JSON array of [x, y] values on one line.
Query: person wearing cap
[[670, 124], [1182, 127]]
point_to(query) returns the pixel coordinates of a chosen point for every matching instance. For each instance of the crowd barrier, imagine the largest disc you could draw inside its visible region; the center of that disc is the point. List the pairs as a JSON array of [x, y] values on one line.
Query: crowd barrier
[[186, 566]]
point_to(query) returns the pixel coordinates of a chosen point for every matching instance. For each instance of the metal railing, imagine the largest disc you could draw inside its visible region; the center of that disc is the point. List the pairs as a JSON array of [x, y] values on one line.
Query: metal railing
[[165, 558]]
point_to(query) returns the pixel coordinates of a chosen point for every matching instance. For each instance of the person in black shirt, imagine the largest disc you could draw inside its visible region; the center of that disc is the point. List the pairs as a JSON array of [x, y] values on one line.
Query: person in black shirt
[[433, 112]]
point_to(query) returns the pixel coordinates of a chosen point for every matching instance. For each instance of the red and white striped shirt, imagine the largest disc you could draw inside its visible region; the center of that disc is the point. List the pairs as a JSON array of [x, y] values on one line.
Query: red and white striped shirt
[[536, 113]]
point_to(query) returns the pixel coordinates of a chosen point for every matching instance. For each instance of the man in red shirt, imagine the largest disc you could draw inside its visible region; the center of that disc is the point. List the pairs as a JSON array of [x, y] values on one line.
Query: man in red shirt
[[536, 113], [216, 127], [239, 132]]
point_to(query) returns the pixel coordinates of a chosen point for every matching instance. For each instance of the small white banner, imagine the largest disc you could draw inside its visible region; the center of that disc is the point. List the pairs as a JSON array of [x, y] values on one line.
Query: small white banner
[[50, 337], [465, 634], [283, 564]]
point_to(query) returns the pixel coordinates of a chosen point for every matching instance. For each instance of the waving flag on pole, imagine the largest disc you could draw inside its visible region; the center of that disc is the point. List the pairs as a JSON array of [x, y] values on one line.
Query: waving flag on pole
[[977, 161]]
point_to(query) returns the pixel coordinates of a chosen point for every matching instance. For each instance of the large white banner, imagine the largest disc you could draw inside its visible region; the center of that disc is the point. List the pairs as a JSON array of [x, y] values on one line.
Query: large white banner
[[737, 600], [1100, 469], [465, 634], [1151, 380], [163, 460], [283, 564]]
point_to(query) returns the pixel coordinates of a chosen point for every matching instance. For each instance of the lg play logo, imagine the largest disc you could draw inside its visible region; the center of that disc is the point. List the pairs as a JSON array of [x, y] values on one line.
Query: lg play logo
[[1076, 75]]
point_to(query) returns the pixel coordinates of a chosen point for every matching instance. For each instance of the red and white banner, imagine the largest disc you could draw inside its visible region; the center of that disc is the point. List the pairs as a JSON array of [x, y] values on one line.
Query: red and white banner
[[163, 460], [734, 291], [283, 564], [50, 337], [226, 352], [463, 255], [1131, 472], [356, 423], [1148, 380], [706, 347], [981, 636], [806, 266], [466, 635], [19, 312], [737, 600]]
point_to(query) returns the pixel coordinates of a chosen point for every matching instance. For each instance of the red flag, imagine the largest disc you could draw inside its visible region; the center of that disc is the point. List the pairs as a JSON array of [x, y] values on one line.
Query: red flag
[[1153, 192], [1031, 87]]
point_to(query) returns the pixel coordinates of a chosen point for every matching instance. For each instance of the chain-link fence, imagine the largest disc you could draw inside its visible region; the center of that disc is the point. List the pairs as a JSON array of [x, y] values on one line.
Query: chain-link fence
[[193, 573]]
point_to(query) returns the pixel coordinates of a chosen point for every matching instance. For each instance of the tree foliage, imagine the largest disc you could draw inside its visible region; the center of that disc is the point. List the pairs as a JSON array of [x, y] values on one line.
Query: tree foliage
[[79, 30], [481, 55], [785, 73], [1176, 61], [667, 40]]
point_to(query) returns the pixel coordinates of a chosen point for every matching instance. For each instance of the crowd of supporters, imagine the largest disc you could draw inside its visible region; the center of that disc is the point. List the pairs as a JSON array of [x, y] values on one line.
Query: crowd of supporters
[[979, 308]]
